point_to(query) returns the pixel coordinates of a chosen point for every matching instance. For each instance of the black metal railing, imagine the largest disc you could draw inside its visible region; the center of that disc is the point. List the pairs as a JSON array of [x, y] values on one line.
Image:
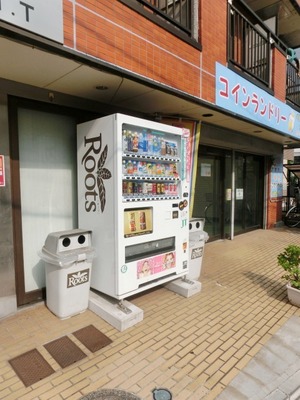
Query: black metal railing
[[176, 12], [249, 46], [293, 83]]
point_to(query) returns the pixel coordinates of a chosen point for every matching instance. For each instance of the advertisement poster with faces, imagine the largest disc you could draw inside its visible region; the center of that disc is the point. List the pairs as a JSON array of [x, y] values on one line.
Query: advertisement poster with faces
[[154, 265]]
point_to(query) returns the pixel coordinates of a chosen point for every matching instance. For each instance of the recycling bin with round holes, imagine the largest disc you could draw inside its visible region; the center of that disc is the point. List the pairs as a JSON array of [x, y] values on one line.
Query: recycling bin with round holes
[[68, 257], [197, 239]]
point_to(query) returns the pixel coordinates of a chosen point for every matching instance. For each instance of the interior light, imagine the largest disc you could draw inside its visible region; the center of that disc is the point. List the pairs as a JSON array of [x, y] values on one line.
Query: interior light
[[101, 87]]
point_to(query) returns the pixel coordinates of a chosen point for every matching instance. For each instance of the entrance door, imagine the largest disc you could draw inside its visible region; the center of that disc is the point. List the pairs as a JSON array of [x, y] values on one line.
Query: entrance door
[[44, 189], [248, 192], [210, 202]]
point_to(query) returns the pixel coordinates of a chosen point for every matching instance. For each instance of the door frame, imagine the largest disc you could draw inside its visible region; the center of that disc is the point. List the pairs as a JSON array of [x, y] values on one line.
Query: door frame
[[14, 103]]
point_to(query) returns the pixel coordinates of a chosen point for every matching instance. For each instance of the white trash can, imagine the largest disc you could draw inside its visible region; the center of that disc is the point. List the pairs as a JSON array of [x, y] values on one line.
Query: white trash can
[[197, 239], [68, 257]]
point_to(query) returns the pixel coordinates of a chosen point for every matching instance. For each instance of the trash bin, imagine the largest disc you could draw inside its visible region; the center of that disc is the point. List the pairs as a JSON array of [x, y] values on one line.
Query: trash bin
[[197, 238], [68, 257]]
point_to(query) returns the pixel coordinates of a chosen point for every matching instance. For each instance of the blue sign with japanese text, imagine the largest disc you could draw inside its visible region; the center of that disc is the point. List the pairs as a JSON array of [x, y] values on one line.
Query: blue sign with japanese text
[[240, 96]]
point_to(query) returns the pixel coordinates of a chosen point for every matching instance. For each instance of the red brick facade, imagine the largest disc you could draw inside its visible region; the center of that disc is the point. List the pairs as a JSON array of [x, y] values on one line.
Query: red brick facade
[[110, 31]]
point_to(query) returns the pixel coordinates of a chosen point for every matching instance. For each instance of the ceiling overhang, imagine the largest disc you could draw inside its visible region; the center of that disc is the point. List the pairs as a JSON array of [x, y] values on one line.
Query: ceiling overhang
[[83, 78]]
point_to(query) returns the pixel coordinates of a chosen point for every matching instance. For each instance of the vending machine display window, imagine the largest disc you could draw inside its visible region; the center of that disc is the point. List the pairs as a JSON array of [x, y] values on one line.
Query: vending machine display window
[[138, 221], [141, 251]]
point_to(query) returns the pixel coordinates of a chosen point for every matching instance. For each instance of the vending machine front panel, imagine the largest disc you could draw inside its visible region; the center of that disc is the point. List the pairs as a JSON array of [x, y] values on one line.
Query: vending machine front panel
[[133, 196]]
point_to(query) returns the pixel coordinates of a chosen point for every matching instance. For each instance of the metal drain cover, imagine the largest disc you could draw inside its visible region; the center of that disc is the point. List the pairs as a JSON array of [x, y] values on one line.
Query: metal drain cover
[[110, 394]]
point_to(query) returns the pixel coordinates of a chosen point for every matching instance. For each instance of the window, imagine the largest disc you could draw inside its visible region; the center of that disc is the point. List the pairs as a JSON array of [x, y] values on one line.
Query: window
[[177, 12], [180, 17]]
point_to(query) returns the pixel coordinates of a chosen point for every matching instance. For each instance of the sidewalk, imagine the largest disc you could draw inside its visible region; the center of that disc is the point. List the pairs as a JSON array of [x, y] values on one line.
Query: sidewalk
[[204, 347]]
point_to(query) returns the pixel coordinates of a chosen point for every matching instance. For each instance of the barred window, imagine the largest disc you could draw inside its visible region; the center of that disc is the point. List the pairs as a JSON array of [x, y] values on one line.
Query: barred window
[[177, 12], [177, 16]]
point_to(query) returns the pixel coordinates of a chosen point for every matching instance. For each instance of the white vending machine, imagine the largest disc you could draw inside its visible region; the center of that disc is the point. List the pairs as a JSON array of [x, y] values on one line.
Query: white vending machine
[[133, 195]]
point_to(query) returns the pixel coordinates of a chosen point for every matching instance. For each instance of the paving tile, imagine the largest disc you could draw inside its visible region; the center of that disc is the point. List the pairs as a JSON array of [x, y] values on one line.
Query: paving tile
[[198, 346]]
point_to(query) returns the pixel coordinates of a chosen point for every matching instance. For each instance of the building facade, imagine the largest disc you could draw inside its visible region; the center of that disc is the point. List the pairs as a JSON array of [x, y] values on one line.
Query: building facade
[[228, 74]]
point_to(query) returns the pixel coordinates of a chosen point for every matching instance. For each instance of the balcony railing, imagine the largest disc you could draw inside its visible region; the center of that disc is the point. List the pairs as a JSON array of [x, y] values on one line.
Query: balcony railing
[[249, 46], [293, 84]]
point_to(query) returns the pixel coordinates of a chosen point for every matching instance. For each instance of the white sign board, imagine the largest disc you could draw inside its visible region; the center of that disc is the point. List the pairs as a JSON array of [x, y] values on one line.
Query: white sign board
[[44, 17]]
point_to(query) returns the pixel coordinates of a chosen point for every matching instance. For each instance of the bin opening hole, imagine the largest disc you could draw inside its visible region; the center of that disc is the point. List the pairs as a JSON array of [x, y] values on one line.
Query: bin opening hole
[[81, 239], [66, 242], [190, 226], [197, 225]]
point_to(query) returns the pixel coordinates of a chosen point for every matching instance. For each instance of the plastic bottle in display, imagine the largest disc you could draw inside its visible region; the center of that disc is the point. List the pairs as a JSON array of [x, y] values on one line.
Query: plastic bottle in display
[[129, 168], [129, 141], [124, 141], [135, 142], [162, 147], [142, 220], [150, 143], [132, 222]]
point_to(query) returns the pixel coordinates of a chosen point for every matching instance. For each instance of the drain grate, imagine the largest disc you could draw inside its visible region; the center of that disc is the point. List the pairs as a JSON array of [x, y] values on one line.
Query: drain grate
[[92, 338], [31, 367], [64, 351]]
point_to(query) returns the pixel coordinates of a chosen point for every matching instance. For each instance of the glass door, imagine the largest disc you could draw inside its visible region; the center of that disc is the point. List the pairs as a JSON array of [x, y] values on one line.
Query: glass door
[[211, 199], [248, 192]]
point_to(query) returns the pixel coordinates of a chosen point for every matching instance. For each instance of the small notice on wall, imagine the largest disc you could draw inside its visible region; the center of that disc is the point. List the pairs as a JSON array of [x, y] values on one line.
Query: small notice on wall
[[239, 194], [206, 170], [2, 171], [276, 186]]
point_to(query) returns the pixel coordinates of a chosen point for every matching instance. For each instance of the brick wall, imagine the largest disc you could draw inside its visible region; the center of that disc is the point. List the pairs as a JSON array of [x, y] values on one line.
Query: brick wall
[[279, 74], [112, 32], [213, 36]]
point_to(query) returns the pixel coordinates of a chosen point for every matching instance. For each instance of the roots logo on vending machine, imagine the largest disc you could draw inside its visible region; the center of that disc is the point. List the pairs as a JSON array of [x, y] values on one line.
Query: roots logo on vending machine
[[94, 161]]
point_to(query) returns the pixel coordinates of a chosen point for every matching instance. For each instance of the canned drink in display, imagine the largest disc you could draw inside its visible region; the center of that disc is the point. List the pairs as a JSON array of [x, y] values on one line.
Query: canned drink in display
[[139, 187], [162, 188], [149, 187], [135, 187], [142, 220], [145, 187], [158, 188], [154, 187], [125, 187], [129, 188], [168, 148]]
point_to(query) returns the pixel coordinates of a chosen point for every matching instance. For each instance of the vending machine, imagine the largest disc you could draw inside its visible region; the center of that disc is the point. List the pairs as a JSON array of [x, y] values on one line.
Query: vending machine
[[133, 194]]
